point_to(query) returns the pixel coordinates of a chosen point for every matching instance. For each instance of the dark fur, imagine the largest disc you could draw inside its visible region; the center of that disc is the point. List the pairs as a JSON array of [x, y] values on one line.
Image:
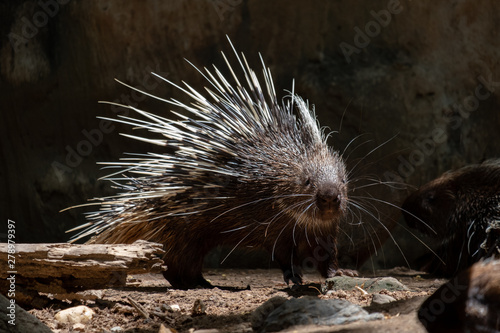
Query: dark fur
[[467, 303], [463, 208]]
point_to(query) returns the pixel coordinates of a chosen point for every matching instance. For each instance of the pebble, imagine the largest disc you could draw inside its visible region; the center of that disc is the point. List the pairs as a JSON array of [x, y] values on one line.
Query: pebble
[[199, 308], [163, 329], [79, 327], [175, 308], [78, 314], [382, 299]]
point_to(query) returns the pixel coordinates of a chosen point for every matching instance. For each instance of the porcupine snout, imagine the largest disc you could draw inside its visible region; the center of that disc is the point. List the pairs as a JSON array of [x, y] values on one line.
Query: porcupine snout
[[329, 199]]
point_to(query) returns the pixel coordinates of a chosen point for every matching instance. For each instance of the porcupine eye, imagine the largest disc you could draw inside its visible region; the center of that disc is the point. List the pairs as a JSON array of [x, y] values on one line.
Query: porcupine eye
[[307, 182], [430, 200]]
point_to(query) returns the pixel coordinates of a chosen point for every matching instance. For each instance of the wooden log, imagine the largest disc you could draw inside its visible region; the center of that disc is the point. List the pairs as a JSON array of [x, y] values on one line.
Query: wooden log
[[63, 268]]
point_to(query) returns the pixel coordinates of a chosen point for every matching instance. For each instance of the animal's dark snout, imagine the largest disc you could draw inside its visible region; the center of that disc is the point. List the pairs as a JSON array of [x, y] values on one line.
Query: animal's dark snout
[[328, 197]]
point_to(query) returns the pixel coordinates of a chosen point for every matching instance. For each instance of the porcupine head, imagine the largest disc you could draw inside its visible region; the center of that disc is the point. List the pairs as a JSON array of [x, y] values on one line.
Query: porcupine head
[[240, 168], [460, 209]]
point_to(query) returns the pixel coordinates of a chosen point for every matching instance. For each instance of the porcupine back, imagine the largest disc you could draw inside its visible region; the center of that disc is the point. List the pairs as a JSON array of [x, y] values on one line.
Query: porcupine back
[[463, 209], [246, 170]]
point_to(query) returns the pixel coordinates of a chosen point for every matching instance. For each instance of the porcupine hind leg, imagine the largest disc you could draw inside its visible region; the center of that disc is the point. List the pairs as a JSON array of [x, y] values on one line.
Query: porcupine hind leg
[[186, 275], [185, 262]]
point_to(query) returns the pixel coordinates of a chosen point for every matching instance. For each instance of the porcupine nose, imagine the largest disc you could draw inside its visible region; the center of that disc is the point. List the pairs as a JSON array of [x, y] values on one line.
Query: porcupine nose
[[328, 200]]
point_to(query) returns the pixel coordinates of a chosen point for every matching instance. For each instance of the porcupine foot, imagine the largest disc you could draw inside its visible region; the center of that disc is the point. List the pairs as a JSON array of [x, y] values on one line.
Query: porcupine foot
[[186, 273], [332, 269], [185, 282], [293, 274], [342, 271]]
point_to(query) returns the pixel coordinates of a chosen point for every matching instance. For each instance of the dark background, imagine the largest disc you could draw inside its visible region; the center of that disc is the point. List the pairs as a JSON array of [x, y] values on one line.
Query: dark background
[[423, 72]]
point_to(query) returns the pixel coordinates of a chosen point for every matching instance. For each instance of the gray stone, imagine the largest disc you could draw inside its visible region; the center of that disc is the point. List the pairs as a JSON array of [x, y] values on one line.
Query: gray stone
[[17, 320], [311, 310], [382, 299], [369, 285]]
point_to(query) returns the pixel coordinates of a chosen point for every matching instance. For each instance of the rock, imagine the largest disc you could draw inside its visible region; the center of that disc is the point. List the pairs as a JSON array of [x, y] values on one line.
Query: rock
[[382, 299], [163, 329], [173, 308], [311, 310], [79, 327], [78, 314], [369, 285], [10, 314], [199, 308], [260, 314]]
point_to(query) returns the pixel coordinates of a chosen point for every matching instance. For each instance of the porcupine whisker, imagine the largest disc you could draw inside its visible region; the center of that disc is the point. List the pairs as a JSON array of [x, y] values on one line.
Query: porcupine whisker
[[376, 182], [275, 216], [360, 223], [470, 235], [370, 236], [341, 121], [307, 237], [256, 201], [347, 235], [400, 208], [369, 153], [355, 217], [282, 211], [235, 229], [402, 226], [470, 227], [276, 240], [351, 142], [355, 148], [234, 248], [297, 221], [387, 230], [259, 224]]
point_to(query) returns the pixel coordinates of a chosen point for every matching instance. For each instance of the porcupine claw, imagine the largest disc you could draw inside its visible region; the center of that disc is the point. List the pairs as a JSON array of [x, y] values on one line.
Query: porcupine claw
[[293, 275], [343, 271]]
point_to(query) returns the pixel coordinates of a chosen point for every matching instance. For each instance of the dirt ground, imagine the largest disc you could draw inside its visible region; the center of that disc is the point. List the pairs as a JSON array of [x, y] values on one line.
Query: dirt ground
[[228, 307]]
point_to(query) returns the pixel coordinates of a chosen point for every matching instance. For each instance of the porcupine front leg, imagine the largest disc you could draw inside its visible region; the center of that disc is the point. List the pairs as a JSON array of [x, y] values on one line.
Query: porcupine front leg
[[289, 266], [326, 255]]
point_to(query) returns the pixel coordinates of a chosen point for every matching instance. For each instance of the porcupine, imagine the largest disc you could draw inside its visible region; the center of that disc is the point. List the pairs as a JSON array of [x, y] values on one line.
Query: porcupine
[[246, 171], [461, 209]]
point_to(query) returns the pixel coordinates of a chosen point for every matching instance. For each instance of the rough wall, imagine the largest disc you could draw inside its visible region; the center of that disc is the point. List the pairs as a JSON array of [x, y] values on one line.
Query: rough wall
[[423, 75]]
